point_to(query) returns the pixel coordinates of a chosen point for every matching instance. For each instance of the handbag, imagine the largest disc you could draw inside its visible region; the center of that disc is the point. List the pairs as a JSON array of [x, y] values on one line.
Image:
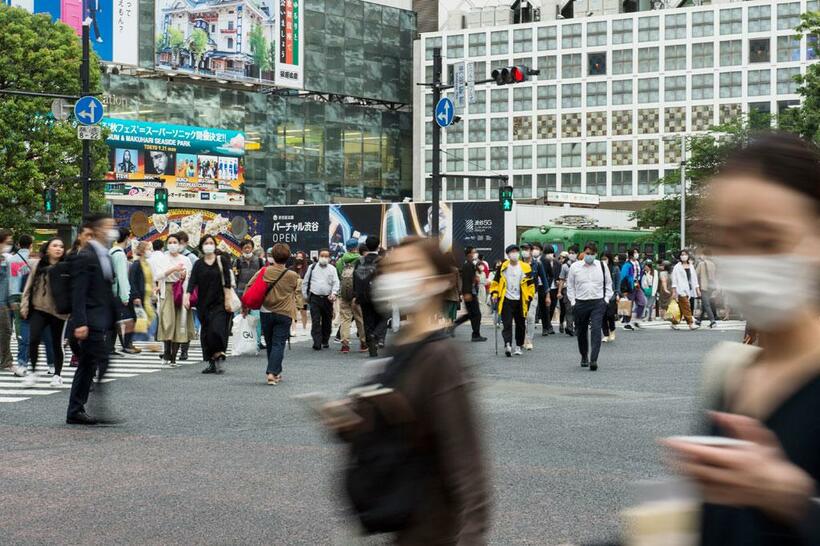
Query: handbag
[[255, 294], [672, 312], [234, 301]]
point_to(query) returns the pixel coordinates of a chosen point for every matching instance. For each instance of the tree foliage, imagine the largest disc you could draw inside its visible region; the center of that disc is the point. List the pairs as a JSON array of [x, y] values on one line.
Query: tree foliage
[[36, 151], [807, 117], [259, 48], [197, 45]]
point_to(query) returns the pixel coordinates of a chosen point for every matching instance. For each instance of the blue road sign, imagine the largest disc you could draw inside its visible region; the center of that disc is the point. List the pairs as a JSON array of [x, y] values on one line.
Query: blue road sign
[[445, 112], [88, 111]]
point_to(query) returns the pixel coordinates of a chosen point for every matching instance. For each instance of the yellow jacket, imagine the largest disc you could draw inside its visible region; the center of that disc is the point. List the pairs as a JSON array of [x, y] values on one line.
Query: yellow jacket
[[498, 288]]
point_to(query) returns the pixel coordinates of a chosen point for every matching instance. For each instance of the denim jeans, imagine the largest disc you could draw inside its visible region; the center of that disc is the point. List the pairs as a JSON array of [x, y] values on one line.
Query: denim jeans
[[276, 329]]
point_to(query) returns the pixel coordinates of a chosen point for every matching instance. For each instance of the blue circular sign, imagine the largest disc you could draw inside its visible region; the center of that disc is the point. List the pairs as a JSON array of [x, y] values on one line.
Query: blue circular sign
[[88, 110], [445, 112]]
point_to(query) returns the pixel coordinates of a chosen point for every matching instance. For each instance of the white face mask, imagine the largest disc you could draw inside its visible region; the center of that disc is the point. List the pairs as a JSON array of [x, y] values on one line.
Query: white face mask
[[324, 261], [536, 253], [270, 260], [405, 291], [208, 249], [684, 258], [755, 286], [525, 254], [513, 256], [572, 257], [247, 255], [112, 235], [173, 248]]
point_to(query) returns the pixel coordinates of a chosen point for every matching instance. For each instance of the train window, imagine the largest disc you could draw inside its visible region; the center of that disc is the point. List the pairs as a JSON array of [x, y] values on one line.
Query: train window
[[622, 247], [649, 249], [608, 247]]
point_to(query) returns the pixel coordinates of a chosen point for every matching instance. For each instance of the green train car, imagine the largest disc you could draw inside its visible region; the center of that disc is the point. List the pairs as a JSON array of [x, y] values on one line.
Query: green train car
[[608, 240]]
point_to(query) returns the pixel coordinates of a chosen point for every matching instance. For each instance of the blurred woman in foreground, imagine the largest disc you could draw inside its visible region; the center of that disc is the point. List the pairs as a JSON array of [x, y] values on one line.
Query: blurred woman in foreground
[[765, 234]]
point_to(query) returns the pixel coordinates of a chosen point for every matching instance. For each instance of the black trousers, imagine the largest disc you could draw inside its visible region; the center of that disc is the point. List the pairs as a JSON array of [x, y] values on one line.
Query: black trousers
[[542, 313], [473, 315], [375, 326], [93, 359], [321, 317], [589, 315], [512, 310], [610, 316], [553, 305], [37, 322], [214, 332]]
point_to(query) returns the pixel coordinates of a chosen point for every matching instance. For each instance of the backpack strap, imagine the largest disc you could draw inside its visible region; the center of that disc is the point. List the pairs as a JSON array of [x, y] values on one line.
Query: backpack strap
[[603, 279], [271, 285], [310, 278]]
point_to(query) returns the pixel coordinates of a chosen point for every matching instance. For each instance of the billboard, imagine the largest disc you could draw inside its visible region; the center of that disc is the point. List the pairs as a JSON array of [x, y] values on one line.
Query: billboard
[[196, 164], [114, 24], [246, 40], [471, 223]]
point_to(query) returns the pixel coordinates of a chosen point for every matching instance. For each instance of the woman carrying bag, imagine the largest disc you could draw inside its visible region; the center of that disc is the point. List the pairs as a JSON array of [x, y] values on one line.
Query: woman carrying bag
[[176, 324]]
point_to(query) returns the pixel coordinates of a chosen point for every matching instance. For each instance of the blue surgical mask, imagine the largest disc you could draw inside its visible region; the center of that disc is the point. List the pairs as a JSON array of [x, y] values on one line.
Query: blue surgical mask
[[589, 259]]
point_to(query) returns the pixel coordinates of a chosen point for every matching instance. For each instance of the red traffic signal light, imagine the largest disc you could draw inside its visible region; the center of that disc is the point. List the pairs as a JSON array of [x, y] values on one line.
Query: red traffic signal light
[[510, 74]]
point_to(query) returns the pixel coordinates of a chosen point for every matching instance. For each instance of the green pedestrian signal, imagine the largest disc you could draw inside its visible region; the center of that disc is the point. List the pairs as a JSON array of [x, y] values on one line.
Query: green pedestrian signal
[[161, 201], [505, 197], [49, 200]]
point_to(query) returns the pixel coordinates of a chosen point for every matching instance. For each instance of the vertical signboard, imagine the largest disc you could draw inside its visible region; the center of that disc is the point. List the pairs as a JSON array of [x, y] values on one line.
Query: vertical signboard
[[458, 85], [290, 59]]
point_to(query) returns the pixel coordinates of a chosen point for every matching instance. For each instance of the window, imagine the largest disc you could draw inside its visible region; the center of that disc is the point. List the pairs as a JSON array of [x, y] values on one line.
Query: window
[[455, 160], [480, 104], [455, 47], [522, 186], [648, 90], [731, 21], [477, 45], [811, 47], [476, 188], [788, 16], [571, 66], [499, 158], [648, 59], [760, 18], [522, 40], [622, 61], [499, 130], [571, 155], [571, 95], [703, 24], [622, 92], [570, 36], [596, 154], [477, 159], [477, 130], [596, 34], [703, 55], [429, 45], [545, 154], [622, 31], [731, 53], [622, 183], [499, 43], [230, 43], [786, 85], [647, 182], [571, 182], [703, 86], [675, 26], [498, 100], [596, 64], [649, 29], [596, 94], [788, 49], [548, 67], [545, 183], [675, 57], [454, 134], [547, 38], [731, 84], [674, 88], [522, 157], [596, 183], [759, 83], [522, 99], [759, 51], [547, 97]]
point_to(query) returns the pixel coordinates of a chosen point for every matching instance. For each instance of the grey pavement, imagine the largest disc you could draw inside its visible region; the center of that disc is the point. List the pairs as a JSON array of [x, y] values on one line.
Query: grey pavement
[[229, 460]]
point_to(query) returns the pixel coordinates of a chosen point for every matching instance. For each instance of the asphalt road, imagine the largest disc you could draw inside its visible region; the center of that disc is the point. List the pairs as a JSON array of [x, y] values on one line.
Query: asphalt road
[[230, 460]]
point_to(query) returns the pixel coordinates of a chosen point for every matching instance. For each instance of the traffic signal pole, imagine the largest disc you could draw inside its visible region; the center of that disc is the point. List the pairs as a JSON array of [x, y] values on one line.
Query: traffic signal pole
[[436, 179], [85, 80]]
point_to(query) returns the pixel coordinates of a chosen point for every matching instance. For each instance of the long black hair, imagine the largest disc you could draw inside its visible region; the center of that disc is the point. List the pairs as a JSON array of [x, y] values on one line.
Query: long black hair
[[44, 264]]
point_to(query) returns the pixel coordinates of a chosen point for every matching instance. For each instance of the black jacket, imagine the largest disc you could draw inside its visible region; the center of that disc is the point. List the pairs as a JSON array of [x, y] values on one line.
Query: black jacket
[[552, 270], [136, 278], [468, 274], [92, 299]]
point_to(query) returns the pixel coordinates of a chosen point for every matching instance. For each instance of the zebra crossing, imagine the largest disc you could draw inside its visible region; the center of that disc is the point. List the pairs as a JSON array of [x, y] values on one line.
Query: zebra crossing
[[13, 390]]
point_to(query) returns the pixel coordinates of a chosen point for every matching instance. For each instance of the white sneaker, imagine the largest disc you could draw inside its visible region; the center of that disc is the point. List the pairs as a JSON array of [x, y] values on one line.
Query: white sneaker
[[518, 351], [528, 345], [19, 371], [51, 370], [30, 380], [56, 381], [508, 349]]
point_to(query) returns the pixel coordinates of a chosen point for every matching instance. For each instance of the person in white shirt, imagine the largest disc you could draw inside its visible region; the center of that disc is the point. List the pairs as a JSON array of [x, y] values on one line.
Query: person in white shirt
[[685, 286], [589, 289], [320, 288]]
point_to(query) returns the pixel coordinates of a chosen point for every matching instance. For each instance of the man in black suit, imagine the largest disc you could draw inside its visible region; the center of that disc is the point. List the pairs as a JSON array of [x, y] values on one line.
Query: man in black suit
[[92, 315], [552, 267]]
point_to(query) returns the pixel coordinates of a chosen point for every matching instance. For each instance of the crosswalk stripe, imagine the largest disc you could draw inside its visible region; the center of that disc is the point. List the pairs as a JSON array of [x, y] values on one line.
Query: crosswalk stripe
[[12, 399], [26, 391], [6, 385]]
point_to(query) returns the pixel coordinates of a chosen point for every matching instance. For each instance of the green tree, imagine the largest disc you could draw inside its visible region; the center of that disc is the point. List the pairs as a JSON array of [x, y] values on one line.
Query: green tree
[[176, 39], [805, 120], [259, 48], [35, 150], [197, 45]]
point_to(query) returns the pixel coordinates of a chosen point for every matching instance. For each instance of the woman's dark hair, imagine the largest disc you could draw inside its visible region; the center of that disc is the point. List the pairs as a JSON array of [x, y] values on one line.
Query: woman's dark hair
[[782, 158], [202, 241], [172, 236], [44, 256], [608, 256]]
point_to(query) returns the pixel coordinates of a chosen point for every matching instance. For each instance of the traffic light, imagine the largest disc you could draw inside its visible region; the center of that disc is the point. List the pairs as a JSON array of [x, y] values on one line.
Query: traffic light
[[505, 198], [161, 201], [49, 200], [512, 74]]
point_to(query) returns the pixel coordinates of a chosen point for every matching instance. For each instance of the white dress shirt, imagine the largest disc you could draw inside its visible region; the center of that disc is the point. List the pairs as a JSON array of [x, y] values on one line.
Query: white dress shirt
[[589, 282], [684, 286], [322, 279]]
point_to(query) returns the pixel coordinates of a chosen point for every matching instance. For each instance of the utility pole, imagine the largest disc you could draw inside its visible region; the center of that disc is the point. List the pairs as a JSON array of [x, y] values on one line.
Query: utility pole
[[436, 178], [85, 80], [683, 192]]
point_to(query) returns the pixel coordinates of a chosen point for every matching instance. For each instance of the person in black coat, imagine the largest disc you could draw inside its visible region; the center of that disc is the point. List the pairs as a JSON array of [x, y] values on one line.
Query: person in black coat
[[136, 280], [469, 294], [92, 315]]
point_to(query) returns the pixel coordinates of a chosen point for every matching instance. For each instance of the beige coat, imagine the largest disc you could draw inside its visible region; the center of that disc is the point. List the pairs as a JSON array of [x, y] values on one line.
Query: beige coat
[[41, 298]]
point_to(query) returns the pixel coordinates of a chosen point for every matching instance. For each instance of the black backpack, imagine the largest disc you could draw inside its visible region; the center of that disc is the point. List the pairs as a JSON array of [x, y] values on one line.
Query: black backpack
[[384, 477], [59, 279], [363, 277]]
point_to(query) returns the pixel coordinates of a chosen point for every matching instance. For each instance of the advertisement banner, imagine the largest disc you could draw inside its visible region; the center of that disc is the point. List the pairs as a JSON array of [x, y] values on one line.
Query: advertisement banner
[[302, 228], [289, 45], [114, 24], [479, 224], [196, 164]]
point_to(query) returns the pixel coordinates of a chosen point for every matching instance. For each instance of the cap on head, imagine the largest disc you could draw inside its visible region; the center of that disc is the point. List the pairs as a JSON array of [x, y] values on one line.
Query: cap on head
[[510, 248], [564, 254]]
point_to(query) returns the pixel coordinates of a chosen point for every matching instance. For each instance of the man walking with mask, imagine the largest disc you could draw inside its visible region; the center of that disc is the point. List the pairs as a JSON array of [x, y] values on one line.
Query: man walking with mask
[[320, 288], [589, 289], [512, 290]]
